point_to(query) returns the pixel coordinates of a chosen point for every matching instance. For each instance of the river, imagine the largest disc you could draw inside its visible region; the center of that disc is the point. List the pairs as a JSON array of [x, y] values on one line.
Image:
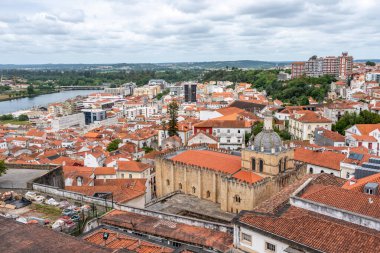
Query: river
[[15, 105]]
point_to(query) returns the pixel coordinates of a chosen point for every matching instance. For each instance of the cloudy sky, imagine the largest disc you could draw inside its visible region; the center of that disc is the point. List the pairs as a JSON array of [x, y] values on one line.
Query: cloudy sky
[[111, 31]]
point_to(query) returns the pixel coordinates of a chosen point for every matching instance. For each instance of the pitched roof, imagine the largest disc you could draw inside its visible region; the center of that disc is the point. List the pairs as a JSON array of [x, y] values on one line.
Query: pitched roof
[[220, 241], [326, 159], [335, 136], [310, 117], [360, 183], [338, 197], [19, 237], [132, 166], [365, 129], [247, 176], [229, 110], [224, 124], [212, 160], [315, 231], [119, 240], [104, 171], [121, 193]]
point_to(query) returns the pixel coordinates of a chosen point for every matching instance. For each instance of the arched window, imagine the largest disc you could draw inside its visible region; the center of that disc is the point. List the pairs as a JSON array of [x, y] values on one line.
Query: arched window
[[208, 194], [279, 166], [322, 171], [311, 170], [261, 166], [284, 163], [237, 198], [253, 164], [180, 186], [79, 181], [193, 189], [167, 182]]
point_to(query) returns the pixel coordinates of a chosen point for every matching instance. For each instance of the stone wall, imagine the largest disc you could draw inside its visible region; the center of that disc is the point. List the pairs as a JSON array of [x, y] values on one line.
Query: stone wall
[[102, 204], [30, 166], [222, 188], [53, 178]]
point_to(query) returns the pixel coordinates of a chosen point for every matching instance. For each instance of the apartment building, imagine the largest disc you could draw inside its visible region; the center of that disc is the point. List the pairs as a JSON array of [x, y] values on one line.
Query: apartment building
[[298, 69], [302, 124]]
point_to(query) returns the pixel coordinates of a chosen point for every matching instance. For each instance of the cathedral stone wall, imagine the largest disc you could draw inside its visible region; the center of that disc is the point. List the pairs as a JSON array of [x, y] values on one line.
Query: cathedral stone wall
[[233, 195]]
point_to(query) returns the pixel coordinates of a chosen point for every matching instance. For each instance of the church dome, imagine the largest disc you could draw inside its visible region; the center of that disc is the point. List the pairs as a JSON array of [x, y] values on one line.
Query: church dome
[[266, 141]]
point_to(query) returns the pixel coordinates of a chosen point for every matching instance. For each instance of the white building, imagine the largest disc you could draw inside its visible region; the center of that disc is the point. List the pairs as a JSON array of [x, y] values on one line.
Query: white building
[[302, 124], [68, 121]]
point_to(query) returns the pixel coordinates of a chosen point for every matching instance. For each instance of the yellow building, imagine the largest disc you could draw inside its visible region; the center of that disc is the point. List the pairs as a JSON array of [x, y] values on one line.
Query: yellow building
[[235, 182]]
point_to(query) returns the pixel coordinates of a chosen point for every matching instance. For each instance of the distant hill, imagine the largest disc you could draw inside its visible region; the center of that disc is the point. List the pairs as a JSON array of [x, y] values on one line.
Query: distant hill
[[149, 66], [365, 60]]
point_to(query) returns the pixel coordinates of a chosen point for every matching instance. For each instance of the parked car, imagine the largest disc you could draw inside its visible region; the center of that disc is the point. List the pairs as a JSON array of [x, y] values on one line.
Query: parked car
[[30, 196], [75, 218], [63, 204], [39, 199], [69, 212], [51, 202]]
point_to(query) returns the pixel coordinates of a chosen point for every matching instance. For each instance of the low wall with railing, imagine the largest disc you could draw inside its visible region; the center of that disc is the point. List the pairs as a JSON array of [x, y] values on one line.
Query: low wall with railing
[[60, 193]]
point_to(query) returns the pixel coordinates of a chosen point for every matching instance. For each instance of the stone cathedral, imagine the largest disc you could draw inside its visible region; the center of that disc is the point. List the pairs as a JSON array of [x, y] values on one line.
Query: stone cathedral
[[235, 182]]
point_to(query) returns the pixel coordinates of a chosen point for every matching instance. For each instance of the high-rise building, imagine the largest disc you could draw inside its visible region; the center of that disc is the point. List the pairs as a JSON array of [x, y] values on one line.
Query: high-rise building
[[298, 69], [314, 66], [190, 92], [331, 66], [345, 65]]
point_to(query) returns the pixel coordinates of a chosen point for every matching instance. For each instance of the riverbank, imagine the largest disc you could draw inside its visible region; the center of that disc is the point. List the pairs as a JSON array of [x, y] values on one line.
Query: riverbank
[[35, 101], [14, 122], [2, 98]]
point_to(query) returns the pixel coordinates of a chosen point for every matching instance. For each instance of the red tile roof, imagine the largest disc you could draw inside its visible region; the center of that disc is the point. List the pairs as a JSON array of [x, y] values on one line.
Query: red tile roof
[[354, 201], [224, 124], [212, 160], [326, 159], [335, 136], [247, 176], [315, 231], [132, 166], [360, 183], [220, 241], [310, 117], [117, 240], [365, 129]]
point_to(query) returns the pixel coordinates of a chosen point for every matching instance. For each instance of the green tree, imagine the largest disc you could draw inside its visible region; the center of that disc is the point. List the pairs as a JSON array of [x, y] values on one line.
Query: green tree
[[370, 63], [113, 145], [30, 89], [3, 168], [173, 121], [147, 149], [350, 119], [23, 117], [257, 127]]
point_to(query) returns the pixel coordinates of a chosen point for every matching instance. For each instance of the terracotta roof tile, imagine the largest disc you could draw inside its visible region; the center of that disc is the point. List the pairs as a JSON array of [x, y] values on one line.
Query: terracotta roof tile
[[327, 159], [212, 160]]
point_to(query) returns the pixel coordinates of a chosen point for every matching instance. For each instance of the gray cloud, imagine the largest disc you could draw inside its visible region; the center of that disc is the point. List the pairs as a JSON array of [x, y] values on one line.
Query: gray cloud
[[38, 31]]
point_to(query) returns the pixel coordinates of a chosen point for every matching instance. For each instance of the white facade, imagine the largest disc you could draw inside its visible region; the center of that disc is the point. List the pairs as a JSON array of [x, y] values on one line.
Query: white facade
[[250, 241], [305, 130], [147, 111], [231, 138], [92, 161], [68, 121], [315, 169]]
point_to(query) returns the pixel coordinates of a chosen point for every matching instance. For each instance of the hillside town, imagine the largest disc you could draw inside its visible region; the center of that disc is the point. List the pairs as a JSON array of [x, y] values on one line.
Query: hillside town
[[216, 166]]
